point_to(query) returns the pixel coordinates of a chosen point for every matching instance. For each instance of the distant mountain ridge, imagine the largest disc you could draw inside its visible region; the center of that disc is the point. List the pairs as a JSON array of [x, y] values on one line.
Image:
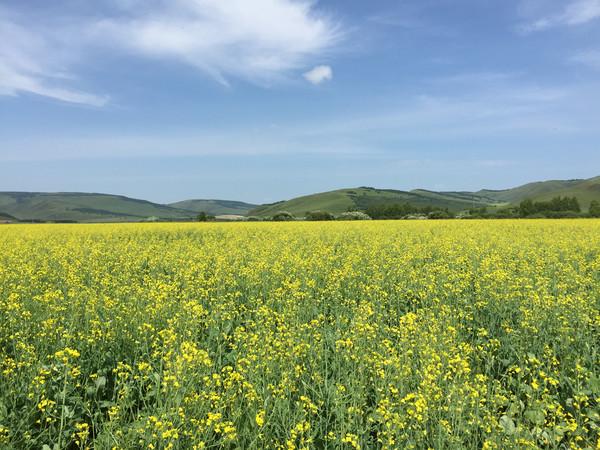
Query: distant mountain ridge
[[6, 217], [95, 207], [342, 200], [215, 207], [84, 207]]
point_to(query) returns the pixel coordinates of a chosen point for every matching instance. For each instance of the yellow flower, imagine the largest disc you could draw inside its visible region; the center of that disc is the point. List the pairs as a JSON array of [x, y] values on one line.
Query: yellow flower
[[352, 440], [260, 418]]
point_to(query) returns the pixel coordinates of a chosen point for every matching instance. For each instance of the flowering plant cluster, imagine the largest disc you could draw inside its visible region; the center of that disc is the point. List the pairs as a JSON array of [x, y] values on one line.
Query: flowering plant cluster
[[339, 335]]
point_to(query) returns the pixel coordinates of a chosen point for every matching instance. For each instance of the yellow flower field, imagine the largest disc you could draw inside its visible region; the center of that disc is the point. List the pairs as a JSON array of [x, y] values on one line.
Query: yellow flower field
[[450, 334]]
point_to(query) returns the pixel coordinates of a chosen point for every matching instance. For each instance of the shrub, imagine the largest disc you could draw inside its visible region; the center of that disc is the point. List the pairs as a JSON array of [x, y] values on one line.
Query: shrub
[[202, 217], [283, 216], [439, 215], [354, 215], [537, 216], [319, 215], [562, 214]]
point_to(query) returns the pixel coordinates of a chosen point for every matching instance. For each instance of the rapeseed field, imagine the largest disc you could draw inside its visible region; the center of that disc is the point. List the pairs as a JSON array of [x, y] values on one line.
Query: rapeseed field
[[442, 335]]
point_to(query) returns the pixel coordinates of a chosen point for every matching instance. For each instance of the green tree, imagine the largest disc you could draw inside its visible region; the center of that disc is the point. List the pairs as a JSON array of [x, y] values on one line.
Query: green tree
[[440, 214], [353, 215], [283, 216], [595, 209], [319, 215], [527, 208]]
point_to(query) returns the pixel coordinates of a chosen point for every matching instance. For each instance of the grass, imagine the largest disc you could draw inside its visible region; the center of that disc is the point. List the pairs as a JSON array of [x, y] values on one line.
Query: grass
[[449, 334]]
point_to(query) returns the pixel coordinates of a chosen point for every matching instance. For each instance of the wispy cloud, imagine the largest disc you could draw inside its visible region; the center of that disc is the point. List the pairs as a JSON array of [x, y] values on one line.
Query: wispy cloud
[[30, 63], [590, 58], [476, 78], [573, 12], [319, 74], [514, 112], [260, 41], [413, 18]]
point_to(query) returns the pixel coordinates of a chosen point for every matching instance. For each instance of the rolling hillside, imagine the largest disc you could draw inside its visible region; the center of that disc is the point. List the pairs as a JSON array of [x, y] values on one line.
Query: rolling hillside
[[82, 207], [361, 198], [584, 190], [6, 217], [215, 207]]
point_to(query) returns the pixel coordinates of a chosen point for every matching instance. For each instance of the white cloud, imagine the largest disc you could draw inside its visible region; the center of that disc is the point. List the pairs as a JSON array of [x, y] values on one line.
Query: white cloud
[[259, 40], [574, 12], [319, 74], [581, 11], [590, 58], [29, 63]]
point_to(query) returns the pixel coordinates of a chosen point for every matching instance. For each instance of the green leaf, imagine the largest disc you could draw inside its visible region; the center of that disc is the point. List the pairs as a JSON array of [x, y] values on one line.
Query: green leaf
[[507, 425], [535, 416], [595, 384], [100, 382], [592, 414]]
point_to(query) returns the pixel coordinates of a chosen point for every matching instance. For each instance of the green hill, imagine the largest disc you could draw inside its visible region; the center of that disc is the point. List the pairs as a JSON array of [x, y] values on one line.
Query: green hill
[[6, 217], [361, 198], [584, 190], [530, 190], [82, 207], [342, 200], [215, 207]]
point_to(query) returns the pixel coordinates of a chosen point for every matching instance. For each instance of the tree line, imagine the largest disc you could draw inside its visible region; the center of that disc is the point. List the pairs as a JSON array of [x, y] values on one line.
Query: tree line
[[404, 210], [557, 207], [559, 204]]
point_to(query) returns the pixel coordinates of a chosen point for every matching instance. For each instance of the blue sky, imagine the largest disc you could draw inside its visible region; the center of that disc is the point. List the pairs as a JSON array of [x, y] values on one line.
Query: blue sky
[[264, 100]]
